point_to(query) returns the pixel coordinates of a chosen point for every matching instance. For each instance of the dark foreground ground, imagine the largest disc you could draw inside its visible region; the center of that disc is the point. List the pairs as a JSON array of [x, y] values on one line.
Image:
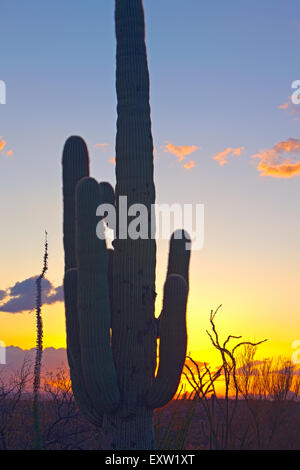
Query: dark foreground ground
[[181, 425]]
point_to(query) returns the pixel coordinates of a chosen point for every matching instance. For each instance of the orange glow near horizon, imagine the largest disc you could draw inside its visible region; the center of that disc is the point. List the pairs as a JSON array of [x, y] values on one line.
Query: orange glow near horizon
[[20, 329], [253, 296]]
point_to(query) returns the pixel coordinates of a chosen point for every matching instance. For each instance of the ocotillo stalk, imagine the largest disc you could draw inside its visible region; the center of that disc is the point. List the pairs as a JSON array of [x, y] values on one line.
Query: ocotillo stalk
[[39, 349]]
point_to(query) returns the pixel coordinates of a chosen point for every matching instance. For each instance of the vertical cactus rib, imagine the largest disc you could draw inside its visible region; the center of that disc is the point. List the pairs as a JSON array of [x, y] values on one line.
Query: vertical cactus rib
[[75, 163], [73, 349], [173, 342], [93, 301]]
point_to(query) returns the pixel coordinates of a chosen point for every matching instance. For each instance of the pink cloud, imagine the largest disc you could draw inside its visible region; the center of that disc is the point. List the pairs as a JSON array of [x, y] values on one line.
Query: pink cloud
[[189, 165], [284, 106], [290, 108], [222, 157], [103, 146], [181, 152], [274, 163], [2, 144]]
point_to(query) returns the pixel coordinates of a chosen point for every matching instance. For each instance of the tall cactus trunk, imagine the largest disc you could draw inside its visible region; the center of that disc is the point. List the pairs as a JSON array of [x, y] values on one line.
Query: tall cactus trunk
[[135, 433], [133, 324]]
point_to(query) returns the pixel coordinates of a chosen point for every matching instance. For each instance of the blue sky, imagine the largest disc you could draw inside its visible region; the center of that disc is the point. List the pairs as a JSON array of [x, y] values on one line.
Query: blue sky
[[219, 72]]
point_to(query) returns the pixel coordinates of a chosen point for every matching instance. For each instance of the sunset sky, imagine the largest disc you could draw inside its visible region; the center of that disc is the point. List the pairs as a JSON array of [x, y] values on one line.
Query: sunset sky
[[226, 135]]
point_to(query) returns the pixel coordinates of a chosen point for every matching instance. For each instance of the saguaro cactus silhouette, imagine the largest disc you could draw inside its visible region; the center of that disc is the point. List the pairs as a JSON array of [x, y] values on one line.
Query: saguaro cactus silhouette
[[110, 295]]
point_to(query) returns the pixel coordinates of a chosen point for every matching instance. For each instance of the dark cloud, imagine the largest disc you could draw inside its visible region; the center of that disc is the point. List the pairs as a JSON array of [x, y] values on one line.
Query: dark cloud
[[2, 294], [57, 295], [21, 296]]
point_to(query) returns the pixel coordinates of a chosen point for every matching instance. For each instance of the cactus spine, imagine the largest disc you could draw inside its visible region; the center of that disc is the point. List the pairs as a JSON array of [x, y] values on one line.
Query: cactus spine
[[114, 290]]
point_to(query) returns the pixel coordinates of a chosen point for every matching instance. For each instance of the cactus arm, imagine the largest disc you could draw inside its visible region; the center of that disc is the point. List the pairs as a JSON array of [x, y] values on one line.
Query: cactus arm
[[173, 342], [107, 193], [93, 302], [172, 323], [75, 163], [107, 197], [179, 256], [73, 349], [179, 259]]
